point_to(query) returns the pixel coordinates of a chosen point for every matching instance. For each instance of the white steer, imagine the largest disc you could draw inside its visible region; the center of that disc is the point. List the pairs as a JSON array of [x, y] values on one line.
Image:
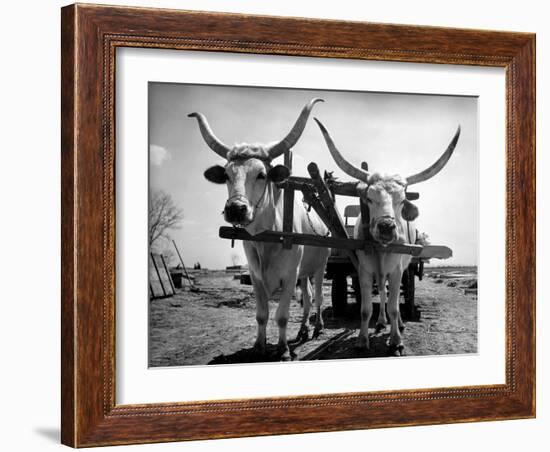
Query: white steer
[[391, 221], [256, 203]]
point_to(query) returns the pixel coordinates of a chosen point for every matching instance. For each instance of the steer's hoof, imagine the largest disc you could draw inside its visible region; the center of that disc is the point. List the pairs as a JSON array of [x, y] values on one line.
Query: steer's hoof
[[396, 350], [286, 356], [362, 343], [379, 328], [317, 332], [303, 334], [284, 352], [259, 348]]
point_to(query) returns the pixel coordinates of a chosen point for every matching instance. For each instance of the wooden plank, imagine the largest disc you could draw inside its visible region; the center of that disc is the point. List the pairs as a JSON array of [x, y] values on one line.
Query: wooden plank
[[342, 188], [164, 278], [288, 205], [295, 183], [399, 248], [183, 265], [310, 197], [435, 252], [168, 273], [227, 232], [335, 222], [164, 275], [158, 280], [312, 200], [298, 180]]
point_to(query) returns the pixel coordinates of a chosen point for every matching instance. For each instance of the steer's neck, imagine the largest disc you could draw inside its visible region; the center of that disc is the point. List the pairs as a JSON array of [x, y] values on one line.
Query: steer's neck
[[406, 231], [268, 214]]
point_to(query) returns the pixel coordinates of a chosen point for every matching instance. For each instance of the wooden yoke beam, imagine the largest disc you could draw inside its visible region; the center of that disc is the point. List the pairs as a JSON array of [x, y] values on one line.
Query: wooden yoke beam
[[334, 221], [288, 205]]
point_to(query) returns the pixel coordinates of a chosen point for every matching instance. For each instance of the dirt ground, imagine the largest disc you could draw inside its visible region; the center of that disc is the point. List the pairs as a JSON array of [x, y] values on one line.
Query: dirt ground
[[216, 324]]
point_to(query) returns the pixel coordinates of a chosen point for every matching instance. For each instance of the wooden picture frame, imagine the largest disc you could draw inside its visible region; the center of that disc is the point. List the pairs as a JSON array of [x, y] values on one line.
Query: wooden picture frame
[[90, 36]]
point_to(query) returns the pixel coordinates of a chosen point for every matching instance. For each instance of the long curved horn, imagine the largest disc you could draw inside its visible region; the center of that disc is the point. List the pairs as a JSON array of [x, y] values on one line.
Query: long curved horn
[[343, 164], [438, 165], [211, 140], [295, 133]]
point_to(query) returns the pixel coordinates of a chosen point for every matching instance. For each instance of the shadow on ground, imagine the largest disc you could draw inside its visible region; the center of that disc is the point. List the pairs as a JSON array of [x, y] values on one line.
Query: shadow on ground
[[326, 346], [248, 355]]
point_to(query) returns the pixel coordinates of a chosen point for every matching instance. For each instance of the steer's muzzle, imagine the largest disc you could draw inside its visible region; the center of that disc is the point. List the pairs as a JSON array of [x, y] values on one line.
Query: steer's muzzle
[[238, 213], [385, 230]]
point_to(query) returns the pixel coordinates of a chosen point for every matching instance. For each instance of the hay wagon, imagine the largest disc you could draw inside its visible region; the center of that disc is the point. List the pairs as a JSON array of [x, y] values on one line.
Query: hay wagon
[[320, 194]]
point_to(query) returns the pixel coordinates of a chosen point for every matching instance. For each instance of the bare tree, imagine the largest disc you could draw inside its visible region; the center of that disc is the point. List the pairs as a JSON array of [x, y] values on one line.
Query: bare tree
[[164, 215]]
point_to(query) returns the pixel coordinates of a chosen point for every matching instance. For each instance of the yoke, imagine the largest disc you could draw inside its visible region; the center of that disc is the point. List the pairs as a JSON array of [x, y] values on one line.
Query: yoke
[[319, 193]]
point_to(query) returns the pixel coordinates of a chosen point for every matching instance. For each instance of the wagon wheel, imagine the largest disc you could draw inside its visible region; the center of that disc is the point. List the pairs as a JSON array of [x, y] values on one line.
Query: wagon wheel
[[339, 294]]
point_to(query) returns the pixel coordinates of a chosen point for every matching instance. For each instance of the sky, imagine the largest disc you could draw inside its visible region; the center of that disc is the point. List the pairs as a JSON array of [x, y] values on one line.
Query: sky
[[395, 133]]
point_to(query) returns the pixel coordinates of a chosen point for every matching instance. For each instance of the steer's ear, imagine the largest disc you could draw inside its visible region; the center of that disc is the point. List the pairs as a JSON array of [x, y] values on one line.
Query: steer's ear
[[410, 211], [278, 173], [216, 174]]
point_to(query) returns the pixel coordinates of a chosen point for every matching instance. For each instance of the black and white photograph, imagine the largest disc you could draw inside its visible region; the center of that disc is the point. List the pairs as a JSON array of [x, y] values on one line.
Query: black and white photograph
[[236, 225], [297, 225]]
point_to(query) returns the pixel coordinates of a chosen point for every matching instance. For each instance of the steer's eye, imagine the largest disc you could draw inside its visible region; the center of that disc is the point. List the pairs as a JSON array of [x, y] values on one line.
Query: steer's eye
[[369, 200], [261, 176]]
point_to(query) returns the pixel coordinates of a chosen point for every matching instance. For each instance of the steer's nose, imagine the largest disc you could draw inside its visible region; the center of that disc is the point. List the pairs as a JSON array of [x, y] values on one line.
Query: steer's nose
[[235, 211], [386, 226]]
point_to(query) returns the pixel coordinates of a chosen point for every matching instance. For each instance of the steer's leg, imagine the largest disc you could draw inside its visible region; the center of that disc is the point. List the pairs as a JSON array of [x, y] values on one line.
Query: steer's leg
[[262, 314], [305, 286], [396, 344], [281, 315], [400, 323], [318, 281], [365, 281], [382, 320]]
